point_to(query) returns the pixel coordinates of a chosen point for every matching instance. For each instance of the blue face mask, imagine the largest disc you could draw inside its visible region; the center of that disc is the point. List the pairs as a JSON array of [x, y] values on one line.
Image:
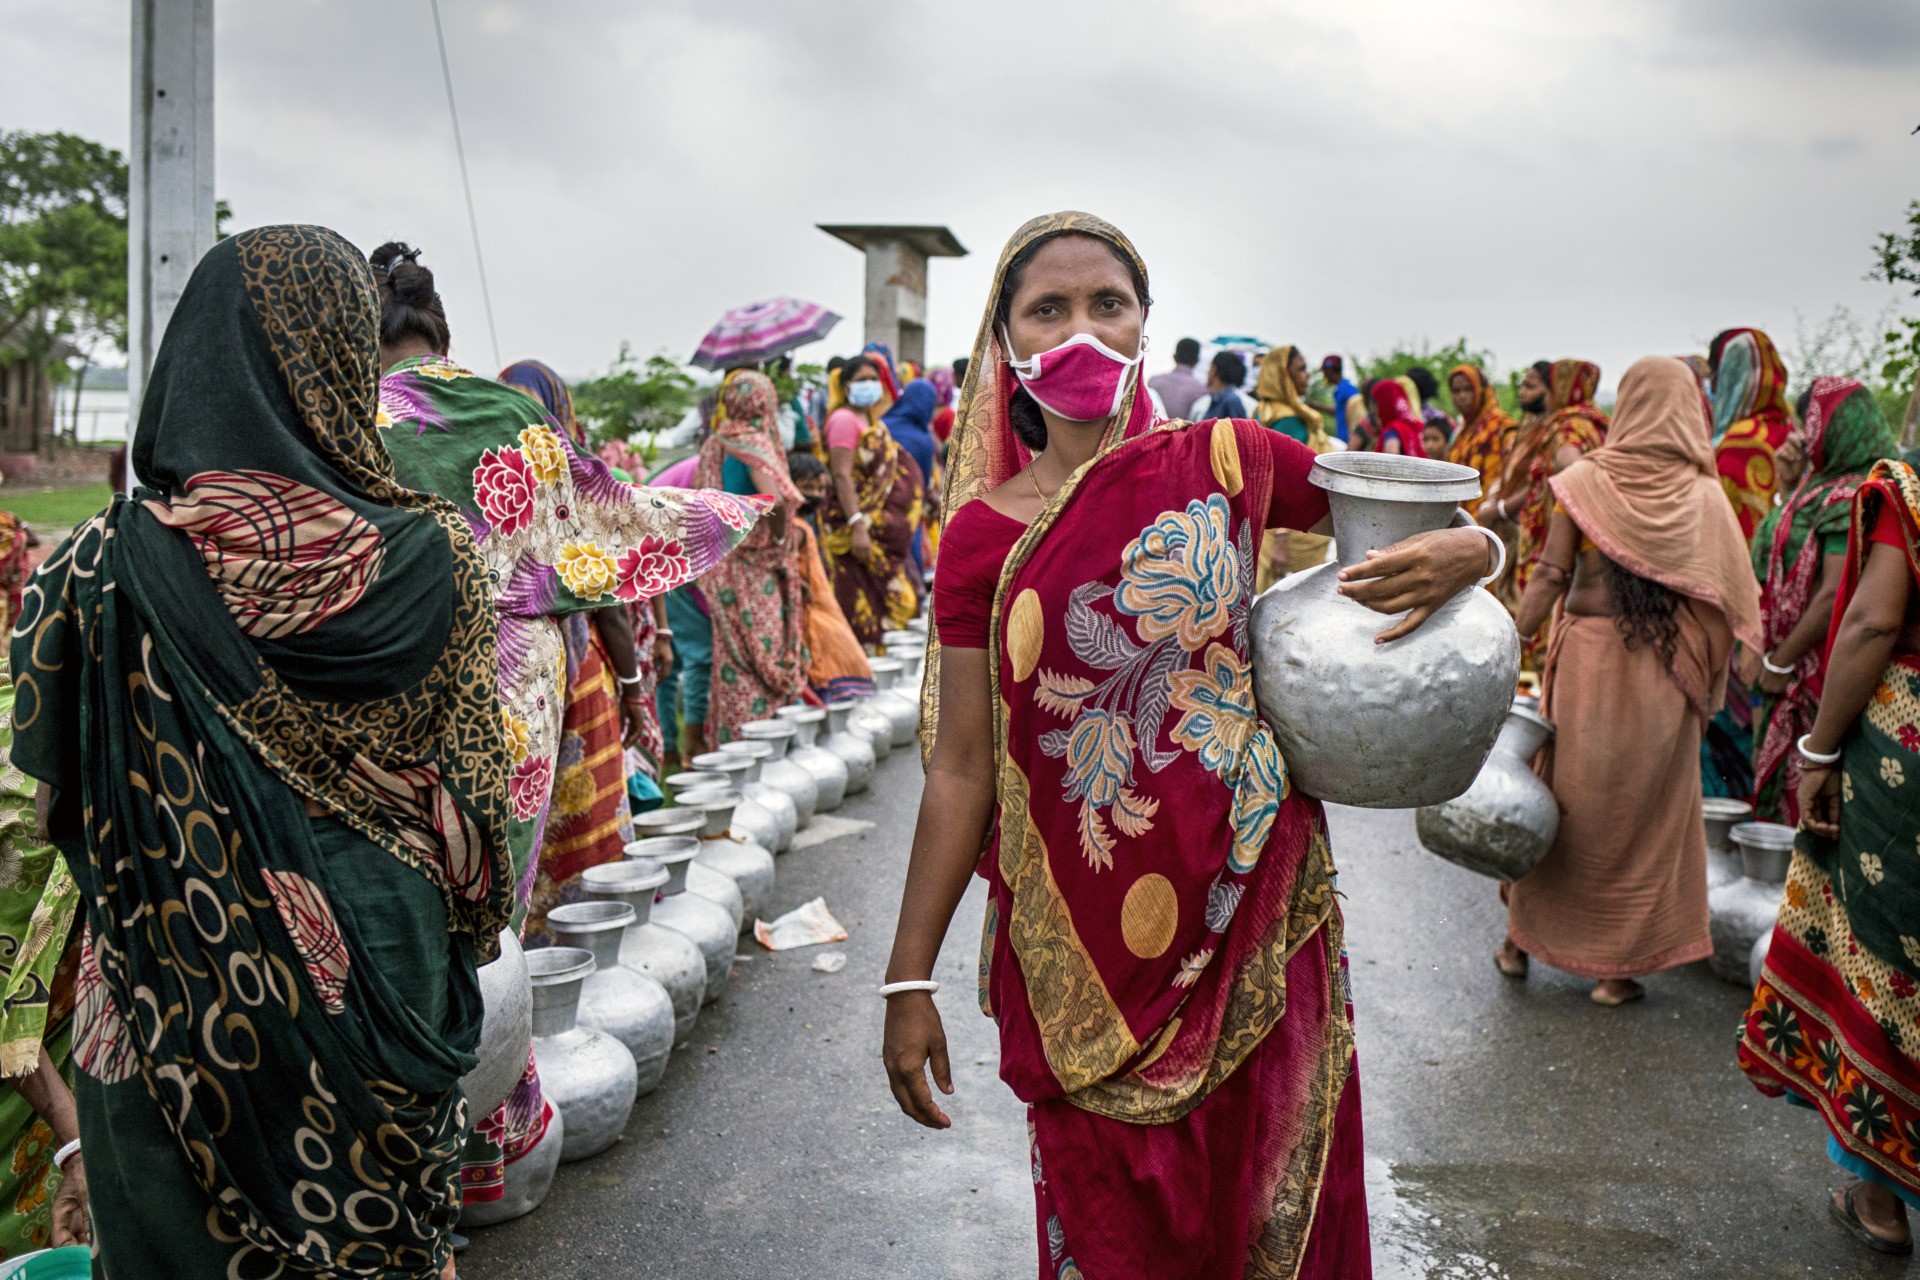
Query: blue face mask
[[864, 394]]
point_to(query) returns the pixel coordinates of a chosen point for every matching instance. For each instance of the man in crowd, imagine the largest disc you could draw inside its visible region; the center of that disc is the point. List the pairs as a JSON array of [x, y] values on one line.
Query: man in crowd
[[1224, 377], [1178, 387], [1331, 373]]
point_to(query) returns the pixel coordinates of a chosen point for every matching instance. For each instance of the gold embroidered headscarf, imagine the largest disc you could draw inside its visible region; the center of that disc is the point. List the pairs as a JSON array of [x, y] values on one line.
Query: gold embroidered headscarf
[[1276, 397]]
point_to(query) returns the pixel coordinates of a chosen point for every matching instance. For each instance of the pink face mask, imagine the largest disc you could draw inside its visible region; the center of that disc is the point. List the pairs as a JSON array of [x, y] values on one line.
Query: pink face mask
[[1081, 380]]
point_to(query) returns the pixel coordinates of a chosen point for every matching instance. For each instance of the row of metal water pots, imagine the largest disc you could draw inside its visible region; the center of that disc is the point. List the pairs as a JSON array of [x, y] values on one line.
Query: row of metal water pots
[[653, 940], [1504, 823]]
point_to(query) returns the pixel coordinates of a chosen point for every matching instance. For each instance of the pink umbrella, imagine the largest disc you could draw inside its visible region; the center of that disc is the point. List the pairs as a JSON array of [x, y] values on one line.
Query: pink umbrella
[[763, 330]]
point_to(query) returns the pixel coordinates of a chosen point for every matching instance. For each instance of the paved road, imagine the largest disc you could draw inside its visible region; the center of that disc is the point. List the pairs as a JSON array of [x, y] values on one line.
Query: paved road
[[1513, 1130]]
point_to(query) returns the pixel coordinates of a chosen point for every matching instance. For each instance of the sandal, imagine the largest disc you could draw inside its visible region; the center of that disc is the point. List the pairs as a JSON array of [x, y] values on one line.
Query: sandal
[[1849, 1219], [1515, 969]]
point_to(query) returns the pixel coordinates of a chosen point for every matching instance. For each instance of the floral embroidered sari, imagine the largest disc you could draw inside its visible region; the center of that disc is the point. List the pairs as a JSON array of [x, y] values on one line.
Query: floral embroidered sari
[[1750, 421], [1835, 1019], [1162, 948]]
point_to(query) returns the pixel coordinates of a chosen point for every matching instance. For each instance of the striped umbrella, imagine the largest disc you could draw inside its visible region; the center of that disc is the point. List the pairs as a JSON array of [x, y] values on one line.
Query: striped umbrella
[[763, 330]]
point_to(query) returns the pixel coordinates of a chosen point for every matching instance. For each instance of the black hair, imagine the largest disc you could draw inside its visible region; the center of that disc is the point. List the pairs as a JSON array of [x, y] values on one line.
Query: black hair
[[1545, 369], [1022, 412], [853, 365], [1231, 368], [835, 363], [1713, 350], [409, 307], [1422, 377], [1187, 351], [1645, 611], [802, 465], [1803, 403], [960, 368]]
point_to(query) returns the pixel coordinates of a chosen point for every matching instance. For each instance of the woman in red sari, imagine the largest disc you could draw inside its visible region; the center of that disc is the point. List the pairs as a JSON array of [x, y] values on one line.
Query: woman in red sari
[[1162, 948], [1750, 420], [1401, 426]]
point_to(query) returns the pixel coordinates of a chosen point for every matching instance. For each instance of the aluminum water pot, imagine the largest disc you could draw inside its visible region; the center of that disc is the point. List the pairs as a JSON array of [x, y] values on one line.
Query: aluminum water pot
[[757, 799], [699, 878], [775, 769], [624, 1003], [587, 1075], [1720, 815], [705, 923], [688, 779], [761, 810], [727, 850], [670, 959], [1382, 726], [504, 1030], [525, 1183], [1742, 911], [873, 724], [852, 749], [902, 711], [829, 770], [786, 770], [1504, 823]]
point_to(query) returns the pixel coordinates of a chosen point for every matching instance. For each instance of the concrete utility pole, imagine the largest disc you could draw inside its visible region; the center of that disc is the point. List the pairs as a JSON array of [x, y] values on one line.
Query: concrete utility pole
[[897, 281], [170, 192]]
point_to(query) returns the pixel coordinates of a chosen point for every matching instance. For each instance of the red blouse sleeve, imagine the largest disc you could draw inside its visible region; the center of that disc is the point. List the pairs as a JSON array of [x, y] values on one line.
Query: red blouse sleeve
[[1887, 528], [1295, 504], [973, 548]]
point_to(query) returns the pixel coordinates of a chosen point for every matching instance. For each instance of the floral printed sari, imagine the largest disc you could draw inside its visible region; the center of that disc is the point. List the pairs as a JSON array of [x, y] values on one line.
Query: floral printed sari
[[1482, 443], [878, 592], [1162, 948], [1835, 1019]]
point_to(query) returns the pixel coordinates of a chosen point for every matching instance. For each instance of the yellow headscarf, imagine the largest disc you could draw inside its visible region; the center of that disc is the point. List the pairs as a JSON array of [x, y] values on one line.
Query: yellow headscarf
[[1276, 397]]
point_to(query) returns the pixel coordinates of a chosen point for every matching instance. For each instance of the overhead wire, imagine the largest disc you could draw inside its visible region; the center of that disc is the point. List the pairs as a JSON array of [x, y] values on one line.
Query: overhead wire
[[460, 150]]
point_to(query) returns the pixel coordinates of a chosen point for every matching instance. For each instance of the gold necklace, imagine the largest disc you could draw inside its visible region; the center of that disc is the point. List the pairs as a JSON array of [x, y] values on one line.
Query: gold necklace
[[1034, 481]]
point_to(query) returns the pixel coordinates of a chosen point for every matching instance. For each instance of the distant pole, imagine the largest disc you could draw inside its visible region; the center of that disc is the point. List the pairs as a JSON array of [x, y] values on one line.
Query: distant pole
[[170, 172], [473, 223]]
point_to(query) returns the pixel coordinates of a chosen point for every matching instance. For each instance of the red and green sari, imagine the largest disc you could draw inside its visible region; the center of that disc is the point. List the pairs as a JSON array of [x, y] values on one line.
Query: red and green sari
[[1162, 948], [1750, 421], [1835, 1019]]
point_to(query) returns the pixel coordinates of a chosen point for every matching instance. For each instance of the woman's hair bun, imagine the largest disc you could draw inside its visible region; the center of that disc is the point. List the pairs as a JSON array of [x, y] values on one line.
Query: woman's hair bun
[[409, 304]]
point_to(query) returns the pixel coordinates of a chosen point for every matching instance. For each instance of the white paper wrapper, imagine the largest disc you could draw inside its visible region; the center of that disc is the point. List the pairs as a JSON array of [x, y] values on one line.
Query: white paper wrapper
[[804, 926]]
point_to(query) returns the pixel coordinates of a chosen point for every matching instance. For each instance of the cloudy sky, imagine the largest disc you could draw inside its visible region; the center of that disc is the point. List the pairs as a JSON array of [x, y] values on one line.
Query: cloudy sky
[[1546, 178]]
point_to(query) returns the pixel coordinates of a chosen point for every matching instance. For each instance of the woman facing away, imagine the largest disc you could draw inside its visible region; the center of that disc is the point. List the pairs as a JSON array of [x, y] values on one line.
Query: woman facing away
[[1400, 426], [1653, 570], [1833, 1020], [1162, 948], [1799, 556], [260, 695], [873, 507]]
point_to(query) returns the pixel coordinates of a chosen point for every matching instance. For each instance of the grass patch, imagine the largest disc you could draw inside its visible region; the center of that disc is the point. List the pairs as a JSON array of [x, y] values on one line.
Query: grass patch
[[55, 506]]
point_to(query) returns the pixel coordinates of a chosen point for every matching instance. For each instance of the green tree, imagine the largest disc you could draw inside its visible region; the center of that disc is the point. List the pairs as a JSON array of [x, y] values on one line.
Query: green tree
[[1897, 261], [632, 399], [63, 258]]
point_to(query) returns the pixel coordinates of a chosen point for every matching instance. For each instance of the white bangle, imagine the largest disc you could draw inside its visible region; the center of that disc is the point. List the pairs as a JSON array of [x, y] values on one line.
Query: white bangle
[[65, 1154], [1812, 757], [629, 681], [1767, 662], [1499, 544], [859, 517], [895, 988]]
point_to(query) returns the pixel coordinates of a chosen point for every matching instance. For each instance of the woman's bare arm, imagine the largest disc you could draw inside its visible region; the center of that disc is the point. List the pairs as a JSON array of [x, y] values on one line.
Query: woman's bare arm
[[1811, 630], [1860, 655], [955, 810], [1551, 573], [840, 464]]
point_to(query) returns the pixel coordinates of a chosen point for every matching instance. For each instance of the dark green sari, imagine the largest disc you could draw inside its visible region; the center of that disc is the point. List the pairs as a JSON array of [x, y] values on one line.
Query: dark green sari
[[262, 692]]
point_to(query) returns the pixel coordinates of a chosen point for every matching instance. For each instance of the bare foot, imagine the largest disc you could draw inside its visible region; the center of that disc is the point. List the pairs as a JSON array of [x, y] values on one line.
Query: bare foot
[[1613, 992], [1510, 959], [1874, 1209]]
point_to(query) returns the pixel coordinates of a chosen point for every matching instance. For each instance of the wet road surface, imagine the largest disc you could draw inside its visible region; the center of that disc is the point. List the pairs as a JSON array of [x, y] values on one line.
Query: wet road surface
[[1513, 1129]]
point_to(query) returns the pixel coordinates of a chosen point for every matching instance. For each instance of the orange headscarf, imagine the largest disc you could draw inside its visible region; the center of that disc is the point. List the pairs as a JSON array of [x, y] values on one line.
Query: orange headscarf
[[1483, 442]]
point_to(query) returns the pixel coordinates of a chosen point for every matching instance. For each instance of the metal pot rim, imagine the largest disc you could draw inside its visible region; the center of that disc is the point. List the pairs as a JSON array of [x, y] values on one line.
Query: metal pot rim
[[1721, 808], [628, 876], [591, 917], [666, 851], [555, 966], [886, 664], [803, 715], [751, 748], [719, 762], [767, 729], [661, 822], [1533, 718], [707, 799], [1390, 477], [1762, 835]]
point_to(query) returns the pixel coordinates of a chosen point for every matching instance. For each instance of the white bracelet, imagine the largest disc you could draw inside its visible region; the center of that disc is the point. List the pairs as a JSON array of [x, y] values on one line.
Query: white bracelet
[[1767, 662], [629, 681], [1812, 757], [895, 988], [1499, 544], [65, 1154], [859, 517]]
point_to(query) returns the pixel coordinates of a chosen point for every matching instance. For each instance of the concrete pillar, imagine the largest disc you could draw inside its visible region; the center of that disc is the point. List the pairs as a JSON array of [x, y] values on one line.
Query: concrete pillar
[[170, 163], [896, 292]]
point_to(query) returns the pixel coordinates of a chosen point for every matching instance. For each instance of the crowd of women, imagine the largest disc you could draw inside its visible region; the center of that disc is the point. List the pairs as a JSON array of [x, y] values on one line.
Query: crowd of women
[[381, 657]]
